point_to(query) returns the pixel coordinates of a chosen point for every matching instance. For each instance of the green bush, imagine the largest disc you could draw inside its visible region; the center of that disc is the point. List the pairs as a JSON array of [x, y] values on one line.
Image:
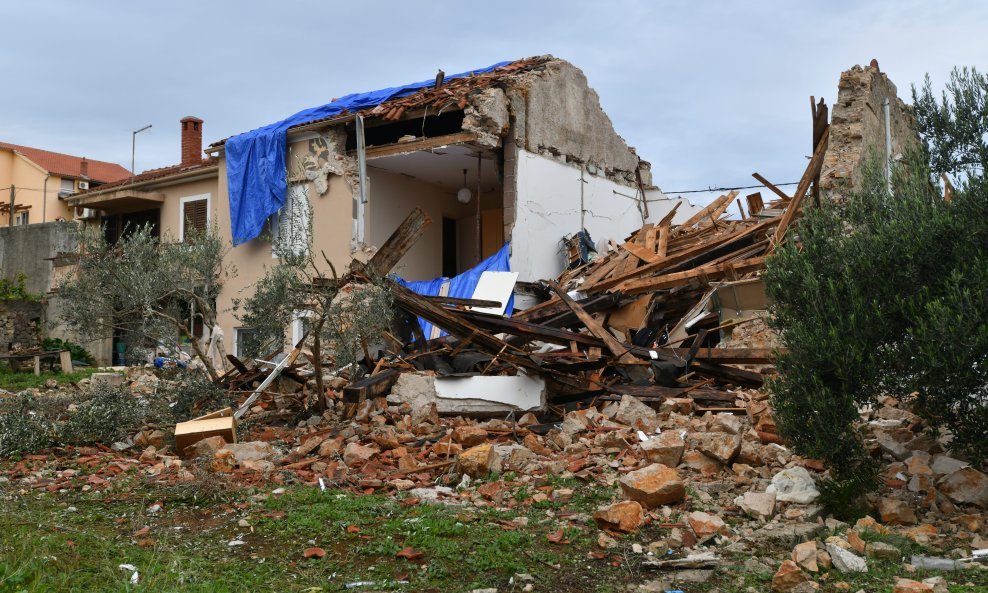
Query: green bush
[[107, 414], [188, 394], [882, 295], [78, 352], [15, 289], [23, 427]]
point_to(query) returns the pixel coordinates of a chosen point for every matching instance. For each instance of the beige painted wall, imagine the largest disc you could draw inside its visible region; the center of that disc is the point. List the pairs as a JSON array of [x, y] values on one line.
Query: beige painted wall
[[29, 179], [171, 210], [393, 196], [331, 218]]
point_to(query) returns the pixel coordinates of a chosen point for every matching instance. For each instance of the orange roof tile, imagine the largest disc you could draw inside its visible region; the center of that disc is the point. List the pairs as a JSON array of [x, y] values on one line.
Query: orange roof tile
[[66, 165], [451, 94], [151, 175]]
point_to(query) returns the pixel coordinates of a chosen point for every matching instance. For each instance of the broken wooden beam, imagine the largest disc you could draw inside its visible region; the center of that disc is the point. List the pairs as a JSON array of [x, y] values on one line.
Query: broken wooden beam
[[377, 385], [772, 187], [400, 241], [730, 355], [616, 347], [804, 185]]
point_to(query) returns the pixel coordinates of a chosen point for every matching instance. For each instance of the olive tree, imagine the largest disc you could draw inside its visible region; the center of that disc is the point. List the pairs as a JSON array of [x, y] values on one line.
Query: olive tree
[[145, 287], [342, 316]]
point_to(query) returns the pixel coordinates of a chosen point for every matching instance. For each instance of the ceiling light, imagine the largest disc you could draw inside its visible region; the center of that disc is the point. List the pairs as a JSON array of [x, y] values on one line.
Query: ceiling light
[[464, 195]]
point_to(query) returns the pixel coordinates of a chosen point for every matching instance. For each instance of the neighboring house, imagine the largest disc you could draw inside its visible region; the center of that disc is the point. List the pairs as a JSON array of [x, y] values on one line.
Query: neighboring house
[[528, 141], [43, 179]]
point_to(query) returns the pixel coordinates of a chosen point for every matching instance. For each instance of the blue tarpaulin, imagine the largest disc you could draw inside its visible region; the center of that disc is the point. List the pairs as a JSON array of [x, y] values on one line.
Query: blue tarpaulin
[[462, 285], [255, 160]]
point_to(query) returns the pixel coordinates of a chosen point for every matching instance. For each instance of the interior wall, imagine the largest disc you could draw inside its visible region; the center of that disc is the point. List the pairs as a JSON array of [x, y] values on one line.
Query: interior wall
[[547, 208], [393, 196]]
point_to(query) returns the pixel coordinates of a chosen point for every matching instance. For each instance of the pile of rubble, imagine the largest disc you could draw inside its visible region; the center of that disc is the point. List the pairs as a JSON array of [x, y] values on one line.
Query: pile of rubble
[[716, 484]]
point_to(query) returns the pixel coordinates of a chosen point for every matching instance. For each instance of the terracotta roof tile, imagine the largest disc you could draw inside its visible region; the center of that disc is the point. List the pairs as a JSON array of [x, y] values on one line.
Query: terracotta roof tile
[[66, 165], [451, 95], [151, 175]]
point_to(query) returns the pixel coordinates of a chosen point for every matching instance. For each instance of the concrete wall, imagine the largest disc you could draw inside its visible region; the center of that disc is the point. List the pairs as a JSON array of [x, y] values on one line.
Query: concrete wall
[[33, 250], [857, 128], [547, 208], [557, 113], [27, 249]]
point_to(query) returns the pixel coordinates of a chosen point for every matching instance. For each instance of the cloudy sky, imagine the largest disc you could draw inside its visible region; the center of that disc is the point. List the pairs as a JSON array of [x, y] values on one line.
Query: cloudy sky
[[707, 91]]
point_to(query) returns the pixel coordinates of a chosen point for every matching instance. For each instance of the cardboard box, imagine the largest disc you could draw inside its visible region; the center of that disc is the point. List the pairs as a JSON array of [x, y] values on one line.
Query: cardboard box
[[219, 423]]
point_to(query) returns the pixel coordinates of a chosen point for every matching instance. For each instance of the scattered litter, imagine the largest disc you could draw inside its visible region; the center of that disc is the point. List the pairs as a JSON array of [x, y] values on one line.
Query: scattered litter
[[135, 576]]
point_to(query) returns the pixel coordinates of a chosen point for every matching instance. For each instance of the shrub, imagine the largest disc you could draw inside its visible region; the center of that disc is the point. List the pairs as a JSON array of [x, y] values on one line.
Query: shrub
[[106, 415], [23, 427], [78, 352], [15, 289], [882, 295], [188, 394]]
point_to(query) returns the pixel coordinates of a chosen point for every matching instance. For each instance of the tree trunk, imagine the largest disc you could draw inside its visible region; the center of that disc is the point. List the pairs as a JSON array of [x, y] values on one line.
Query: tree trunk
[[317, 364]]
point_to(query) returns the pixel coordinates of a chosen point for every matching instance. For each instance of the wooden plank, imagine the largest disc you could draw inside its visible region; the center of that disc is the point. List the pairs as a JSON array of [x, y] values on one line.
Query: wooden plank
[[65, 361], [711, 272], [598, 330], [448, 300], [686, 255], [804, 185], [601, 270], [723, 207], [421, 144], [456, 325], [741, 210], [730, 355], [755, 203], [662, 250], [643, 253], [544, 333], [727, 373], [650, 236], [373, 386], [711, 207], [237, 364], [772, 187], [820, 121], [400, 241]]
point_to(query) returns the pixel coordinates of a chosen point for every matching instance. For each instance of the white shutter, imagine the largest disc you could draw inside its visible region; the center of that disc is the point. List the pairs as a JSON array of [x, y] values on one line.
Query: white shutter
[[293, 229]]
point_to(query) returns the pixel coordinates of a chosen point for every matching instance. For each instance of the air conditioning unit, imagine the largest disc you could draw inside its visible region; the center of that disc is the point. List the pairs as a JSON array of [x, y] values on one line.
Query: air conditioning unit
[[83, 184], [86, 214]]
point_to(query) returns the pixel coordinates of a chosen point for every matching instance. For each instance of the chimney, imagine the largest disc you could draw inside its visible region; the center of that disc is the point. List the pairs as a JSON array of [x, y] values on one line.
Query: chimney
[[191, 140], [84, 168]]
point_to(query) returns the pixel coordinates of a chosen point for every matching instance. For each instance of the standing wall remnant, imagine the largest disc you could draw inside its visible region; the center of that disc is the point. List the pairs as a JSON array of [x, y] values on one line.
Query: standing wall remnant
[[857, 128]]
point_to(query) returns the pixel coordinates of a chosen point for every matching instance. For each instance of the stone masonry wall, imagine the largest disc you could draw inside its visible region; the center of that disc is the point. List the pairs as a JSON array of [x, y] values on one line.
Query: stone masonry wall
[[857, 127], [20, 325]]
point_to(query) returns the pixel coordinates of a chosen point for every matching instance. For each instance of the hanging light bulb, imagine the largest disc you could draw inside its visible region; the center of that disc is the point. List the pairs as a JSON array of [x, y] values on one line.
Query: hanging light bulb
[[464, 195]]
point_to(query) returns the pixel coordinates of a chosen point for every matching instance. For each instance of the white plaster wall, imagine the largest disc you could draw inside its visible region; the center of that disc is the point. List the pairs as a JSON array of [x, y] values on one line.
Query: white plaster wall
[[548, 208]]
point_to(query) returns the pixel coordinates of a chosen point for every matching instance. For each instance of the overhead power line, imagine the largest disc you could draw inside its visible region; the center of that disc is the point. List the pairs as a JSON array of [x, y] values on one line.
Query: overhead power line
[[713, 189]]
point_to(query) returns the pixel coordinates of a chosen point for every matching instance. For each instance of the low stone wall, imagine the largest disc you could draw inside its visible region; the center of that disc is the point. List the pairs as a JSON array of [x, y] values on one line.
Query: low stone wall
[[21, 323]]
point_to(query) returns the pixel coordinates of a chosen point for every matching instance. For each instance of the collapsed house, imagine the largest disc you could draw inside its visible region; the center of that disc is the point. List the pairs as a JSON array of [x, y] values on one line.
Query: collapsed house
[[518, 153]]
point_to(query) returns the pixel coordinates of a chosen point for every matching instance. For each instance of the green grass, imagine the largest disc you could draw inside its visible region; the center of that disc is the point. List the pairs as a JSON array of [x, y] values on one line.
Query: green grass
[[25, 379], [45, 545]]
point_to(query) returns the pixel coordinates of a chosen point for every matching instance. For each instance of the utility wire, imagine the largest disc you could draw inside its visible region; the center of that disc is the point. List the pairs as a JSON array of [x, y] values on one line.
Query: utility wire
[[713, 189]]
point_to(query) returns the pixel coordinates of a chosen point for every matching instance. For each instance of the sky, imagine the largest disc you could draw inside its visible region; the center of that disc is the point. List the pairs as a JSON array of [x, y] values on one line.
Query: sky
[[708, 92]]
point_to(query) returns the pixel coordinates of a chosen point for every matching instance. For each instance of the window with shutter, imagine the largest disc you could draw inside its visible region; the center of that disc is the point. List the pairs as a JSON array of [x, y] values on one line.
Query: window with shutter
[[195, 216]]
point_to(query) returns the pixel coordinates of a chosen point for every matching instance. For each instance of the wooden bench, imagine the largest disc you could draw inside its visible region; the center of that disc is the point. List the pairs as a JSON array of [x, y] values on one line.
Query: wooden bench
[[64, 359]]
